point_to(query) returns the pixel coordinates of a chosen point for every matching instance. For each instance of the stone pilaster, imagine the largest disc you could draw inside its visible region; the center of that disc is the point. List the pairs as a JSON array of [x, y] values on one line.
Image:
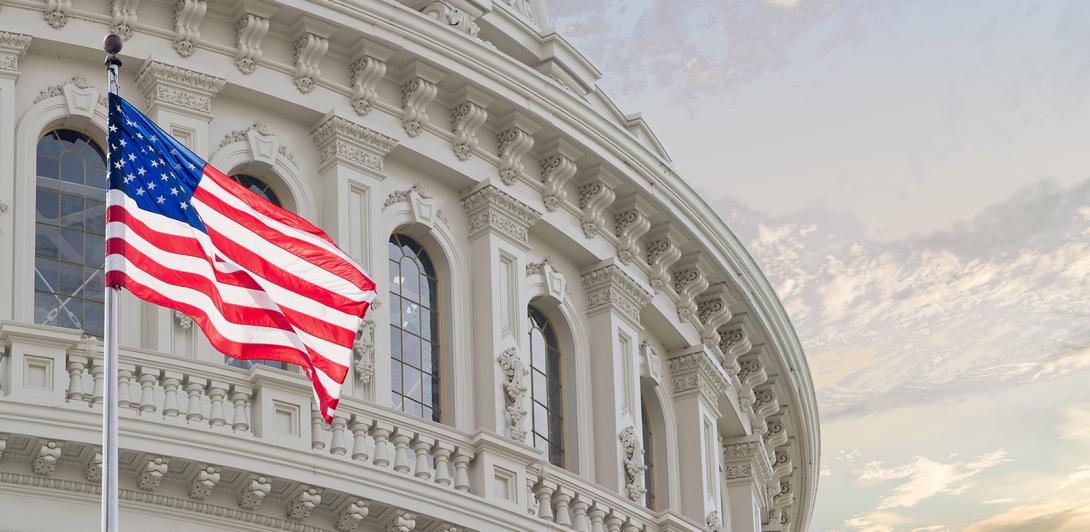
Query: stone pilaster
[[13, 47], [746, 472]]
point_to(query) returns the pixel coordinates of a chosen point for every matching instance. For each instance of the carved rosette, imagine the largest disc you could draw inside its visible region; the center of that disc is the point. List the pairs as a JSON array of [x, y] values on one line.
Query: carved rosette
[[57, 12], [178, 88], [364, 349], [693, 370], [309, 48], [445, 13], [465, 119], [152, 473], [634, 466], [188, 15], [123, 13], [253, 493], [250, 30], [416, 95], [689, 281], [514, 391], [489, 208], [713, 312], [353, 513], [343, 141], [630, 224], [733, 343], [204, 482], [46, 457], [13, 47], [300, 506], [609, 288]]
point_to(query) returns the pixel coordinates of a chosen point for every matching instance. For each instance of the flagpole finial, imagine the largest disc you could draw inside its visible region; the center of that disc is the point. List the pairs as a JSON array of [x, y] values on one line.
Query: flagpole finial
[[112, 44]]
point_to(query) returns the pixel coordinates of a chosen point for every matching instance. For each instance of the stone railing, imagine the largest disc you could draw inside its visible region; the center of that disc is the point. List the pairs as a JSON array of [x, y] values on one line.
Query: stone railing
[[562, 498]]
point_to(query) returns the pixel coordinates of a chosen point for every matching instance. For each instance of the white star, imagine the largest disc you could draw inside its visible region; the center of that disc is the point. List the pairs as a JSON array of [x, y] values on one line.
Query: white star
[[139, 135], [151, 185], [132, 157], [140, 191], [153, 138], [113, 147], [128, 178], [174, 151], [117, 165], [141, 171], [183, 205], [160, 200], [118, 108], [165, 177], [151, 148], [161, 161], [154, 163], [174, 190], [113, 128], [191, 166], [122, 143], [130, 123]]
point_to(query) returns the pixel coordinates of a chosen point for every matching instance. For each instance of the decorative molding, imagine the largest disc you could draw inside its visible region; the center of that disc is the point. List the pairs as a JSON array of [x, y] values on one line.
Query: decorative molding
[[631, 224], [353, 513], [489, 208], [13, 47], [609, 288], [765, 404], [417, 93], [367, 70], [251, 25], [92, 471], [693, 369], [184, 322], [77, 81], [181, 89], [634, 466], [152, 473], [713, 311], [264, 146], [551, 277], [448, 15], [713, 522], [733, 343], [515, 138], [253, 492], [750, 376], [188, 15], [745, 460], [343, 141], [421, 205], [776, 435], [466, 117], [557, 167], [663, 251], [689, 281], [364, 348], [523, 8], [45, 459], [123, 17], [300, 507], [514, 391], [402, 521], [595, 195], [310, 46], [650, 362], [204, 481], [57, 12], [781, 462]]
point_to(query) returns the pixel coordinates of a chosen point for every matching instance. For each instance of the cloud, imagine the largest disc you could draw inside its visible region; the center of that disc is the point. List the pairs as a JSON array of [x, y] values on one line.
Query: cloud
[[1079, 476], [1055, 515], [1075, 423], [924, 478], [825, 471]]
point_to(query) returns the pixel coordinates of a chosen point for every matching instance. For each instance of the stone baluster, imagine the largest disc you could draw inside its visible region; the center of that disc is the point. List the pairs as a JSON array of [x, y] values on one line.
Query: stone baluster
[[240, 397], [562, 499], [580, 520], [381, 432], [422, 445], [194, 412], [630, 526], [442, 452], [171, 381], [462, 457], [124, 380], [76, 365], [338, 446], [597, 515], [148, 378], [317, 433], [401, 440], [217, 392], [360, 426], [544, 493], [614, 522], [531, 501], [97, 370]]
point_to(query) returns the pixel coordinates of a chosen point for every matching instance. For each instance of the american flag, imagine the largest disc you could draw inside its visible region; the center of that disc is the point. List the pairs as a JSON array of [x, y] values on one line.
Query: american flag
[[260, 282]]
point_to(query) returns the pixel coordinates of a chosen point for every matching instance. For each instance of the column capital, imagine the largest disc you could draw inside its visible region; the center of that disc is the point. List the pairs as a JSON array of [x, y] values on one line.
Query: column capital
[[610, 288], [342, 141], [745, 460], [694, 370], [181, 90], [491, 209], [13, 47]]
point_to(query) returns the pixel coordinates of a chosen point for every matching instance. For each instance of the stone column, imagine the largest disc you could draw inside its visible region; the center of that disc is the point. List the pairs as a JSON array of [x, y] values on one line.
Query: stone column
[[351, 172], [179, 101], [614, 302], [697, 384], [745, 471], [13, 47]]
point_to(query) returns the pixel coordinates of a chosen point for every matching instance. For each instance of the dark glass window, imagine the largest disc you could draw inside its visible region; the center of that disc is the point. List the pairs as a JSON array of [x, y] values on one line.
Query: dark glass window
[[648, 458], [548, 404], [262, 189], [69, 229], [414, 330]]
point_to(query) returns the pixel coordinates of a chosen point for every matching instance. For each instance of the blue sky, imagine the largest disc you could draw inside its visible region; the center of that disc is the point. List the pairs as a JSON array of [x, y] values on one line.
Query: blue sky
[[914, 177]]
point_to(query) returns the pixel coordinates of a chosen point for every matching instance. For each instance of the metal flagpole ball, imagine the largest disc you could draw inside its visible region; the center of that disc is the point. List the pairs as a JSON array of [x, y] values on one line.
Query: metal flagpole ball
[[112, 46]]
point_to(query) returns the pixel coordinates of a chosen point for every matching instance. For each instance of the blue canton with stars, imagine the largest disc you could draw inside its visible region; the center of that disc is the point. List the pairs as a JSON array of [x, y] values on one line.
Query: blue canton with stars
[[150, 166]]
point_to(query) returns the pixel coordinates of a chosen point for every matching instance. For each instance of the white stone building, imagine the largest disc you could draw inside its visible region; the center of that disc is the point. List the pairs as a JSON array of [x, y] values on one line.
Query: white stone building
[[578, 342]]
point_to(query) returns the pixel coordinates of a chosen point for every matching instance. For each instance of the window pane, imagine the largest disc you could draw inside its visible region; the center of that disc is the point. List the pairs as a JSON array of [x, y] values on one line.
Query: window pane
[[395, 343], [394, 250], [45, 241], [96, 249], [93, 317], [425, 356], [427, 317], [410, 349], [72, 167], [95, 284], [71, 212], [46, 206], [71, 277], [49, 167], [395, 377], [395, 310], [412, 407], [537, 349], [539, 387], [71, 314], [541, 418], [410, 279], [410, 317], [71, 245], [45, 275], [425, 292], [96, 217]]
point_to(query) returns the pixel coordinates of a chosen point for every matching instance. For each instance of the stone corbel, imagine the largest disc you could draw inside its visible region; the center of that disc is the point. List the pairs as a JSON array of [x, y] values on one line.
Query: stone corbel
[[304, 502], [776, 435], [466, 117], [713, 311], [203, 482], [251, 25], [364, 348], [610, 288], [57, 12], [253, 493], [342, 141], [782, 499], [123, 13], [46, 457], [421, 204], [491, 209], [92, 470], [514, 392], [596, 194], [402, 521], [751, 376], [650, 362], [310, 45], [368, 69], [417, 92], [663, 251], [181, 90], [353, 513], [689, 282], [13, 47], [734, 341], [151, 473], [188, 15], [557, 167], [631, 223], [765, 404], [782, 466], [515, 138], [548, 274]]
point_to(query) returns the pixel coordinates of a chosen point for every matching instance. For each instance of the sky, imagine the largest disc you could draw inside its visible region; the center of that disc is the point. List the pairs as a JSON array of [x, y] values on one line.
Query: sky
[[914, 179]]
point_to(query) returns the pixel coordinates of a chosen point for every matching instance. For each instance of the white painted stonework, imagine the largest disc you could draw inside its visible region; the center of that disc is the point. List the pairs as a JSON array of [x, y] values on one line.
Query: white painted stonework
[[475, 128]]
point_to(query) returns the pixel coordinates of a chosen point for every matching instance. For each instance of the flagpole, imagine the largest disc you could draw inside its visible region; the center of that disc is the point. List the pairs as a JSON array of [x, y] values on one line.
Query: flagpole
[[112, 45]]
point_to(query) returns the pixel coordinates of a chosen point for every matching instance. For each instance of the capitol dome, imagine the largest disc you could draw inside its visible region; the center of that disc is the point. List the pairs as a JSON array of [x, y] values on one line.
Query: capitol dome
[[566, 336]]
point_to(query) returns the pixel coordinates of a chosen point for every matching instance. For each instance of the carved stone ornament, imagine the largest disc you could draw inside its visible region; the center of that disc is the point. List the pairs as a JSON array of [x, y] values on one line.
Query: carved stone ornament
[[180, 88], [254, 492], [514, 391], [300, 507], [634, 466], [187, 23], [650, 362], [123, 13], [57, 12], [204, 482], [750, 376], [402, 522], [46, 457], [631, 224], [310, 46], [489, 208], [609, 288], [662, 253], [746, 461], [250, 30], [776, 435], [421, 204], [515, 139], [77, 81], [595, 195], [152, 473], [364, 348], [713, 311], [264, 146], [694, 370], [352, 515], [713, 522], [733, 343], [184, 322], [343, 141], [689, 282], [445, 13], [551, 277], [417, 93], [524, 8], [92, 472], [367, 71], [13, 47], [466, 117]]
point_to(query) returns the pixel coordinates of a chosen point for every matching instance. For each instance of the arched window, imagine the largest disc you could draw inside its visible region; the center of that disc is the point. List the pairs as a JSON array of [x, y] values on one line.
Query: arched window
[[414, 329], [69, 228], [261, 188], [648, 458], [548, 413]]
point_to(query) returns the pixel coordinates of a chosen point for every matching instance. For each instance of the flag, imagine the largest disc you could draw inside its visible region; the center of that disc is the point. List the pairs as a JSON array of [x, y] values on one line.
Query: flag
[[260, 282]]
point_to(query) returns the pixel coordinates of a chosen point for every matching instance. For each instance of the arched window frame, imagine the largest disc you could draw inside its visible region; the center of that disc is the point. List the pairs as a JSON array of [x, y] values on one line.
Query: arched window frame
[[650, 458], [404, 251], [547, 365]]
